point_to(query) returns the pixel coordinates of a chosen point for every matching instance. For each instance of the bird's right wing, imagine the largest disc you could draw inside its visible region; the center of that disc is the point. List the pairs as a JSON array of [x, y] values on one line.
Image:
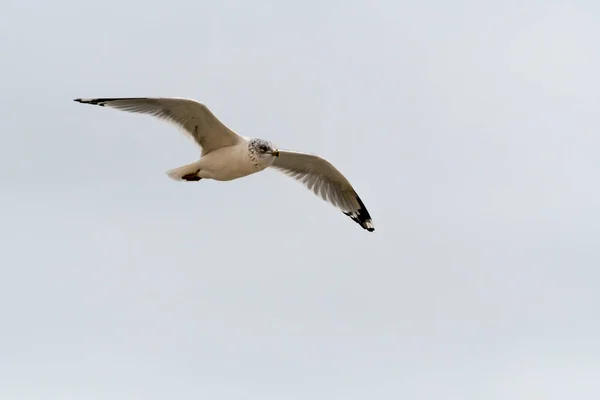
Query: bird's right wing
[[194, 117], [320, 176]]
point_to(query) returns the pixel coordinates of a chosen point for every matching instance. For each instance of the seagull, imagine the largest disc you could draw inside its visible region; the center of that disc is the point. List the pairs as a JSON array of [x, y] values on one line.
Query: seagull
[[226, 156]]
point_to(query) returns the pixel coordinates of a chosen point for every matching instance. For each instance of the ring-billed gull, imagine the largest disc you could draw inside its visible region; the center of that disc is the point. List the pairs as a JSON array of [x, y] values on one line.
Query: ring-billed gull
[[226, 155]]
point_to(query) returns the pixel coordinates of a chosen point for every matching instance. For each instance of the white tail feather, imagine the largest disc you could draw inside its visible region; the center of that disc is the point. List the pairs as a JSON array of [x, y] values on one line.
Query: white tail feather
[[178, 173]]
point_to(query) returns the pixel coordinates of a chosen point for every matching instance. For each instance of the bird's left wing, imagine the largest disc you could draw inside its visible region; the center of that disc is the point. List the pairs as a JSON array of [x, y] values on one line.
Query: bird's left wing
[[194, 117], [320, 176]]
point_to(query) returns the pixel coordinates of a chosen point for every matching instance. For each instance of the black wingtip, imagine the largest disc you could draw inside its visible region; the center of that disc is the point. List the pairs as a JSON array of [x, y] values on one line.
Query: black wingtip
[[362, 216], [88, 101], [96, 102]]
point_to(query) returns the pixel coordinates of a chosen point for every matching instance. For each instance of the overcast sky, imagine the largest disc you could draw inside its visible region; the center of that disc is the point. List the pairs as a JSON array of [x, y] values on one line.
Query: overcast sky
[[469, 128]]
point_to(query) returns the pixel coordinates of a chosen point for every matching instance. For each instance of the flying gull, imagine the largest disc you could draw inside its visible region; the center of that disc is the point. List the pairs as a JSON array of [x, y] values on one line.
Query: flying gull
[[226, 155]]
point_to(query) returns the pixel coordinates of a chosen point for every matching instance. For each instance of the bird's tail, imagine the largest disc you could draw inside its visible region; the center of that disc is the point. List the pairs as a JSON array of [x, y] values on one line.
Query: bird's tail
[[187, 172]]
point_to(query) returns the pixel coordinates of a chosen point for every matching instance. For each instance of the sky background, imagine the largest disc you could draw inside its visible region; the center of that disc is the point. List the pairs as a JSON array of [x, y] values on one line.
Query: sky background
[[469, 129]]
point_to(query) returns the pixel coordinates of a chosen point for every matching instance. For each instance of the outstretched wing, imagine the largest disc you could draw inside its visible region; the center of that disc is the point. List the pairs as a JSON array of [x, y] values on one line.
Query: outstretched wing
[[194, 117], [320, 176]]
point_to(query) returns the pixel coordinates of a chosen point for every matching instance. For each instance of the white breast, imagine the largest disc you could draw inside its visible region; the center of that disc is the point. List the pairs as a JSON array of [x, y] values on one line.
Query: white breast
[[229, 163]]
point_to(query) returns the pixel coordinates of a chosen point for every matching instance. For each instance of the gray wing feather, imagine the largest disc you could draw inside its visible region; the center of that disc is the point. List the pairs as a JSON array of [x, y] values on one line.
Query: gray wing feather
[[194, 117], [320, 176]]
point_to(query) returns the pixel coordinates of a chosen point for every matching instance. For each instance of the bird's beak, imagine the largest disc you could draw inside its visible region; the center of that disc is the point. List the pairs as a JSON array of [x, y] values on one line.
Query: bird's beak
[[276, 153]]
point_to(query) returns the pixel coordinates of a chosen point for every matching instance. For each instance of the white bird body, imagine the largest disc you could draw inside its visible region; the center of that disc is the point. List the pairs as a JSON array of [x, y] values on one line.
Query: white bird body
[[227, 156], [224, 164]]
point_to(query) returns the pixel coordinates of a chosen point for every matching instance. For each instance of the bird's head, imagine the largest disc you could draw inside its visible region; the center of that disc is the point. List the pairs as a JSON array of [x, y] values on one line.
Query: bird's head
[[263, 149]]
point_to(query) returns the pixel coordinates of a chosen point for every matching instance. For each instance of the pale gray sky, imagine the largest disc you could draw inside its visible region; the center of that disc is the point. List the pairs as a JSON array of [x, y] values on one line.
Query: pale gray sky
[[469, 129]]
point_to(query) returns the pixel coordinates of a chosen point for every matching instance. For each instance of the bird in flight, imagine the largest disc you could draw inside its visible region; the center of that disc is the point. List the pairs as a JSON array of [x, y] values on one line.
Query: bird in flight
[[226, 155]]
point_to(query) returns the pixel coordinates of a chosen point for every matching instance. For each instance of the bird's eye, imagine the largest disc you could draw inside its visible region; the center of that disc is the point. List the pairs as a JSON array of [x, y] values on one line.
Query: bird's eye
[[263, 148]]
